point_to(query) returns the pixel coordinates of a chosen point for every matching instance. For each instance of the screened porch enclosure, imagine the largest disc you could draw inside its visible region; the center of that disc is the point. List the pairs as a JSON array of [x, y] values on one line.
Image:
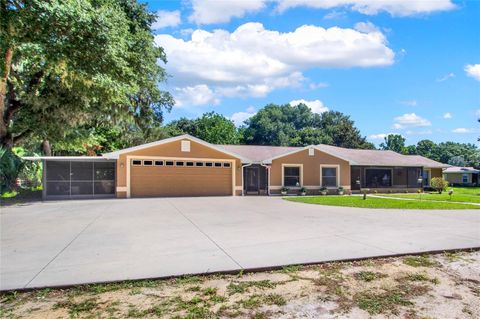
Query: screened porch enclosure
[[78, 179], [385, 177]]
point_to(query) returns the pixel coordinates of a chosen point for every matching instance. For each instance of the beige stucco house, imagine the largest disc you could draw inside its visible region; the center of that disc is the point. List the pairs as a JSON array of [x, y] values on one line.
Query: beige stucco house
[[187, 166], [465, 176]]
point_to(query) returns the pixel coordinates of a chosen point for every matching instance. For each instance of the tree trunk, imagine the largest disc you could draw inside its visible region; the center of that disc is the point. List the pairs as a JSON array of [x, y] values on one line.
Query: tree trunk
[[47, 149], [3, 94]]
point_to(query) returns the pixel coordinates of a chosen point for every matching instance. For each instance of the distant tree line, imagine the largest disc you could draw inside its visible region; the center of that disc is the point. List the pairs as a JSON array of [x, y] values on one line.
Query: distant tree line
[[453, 153]]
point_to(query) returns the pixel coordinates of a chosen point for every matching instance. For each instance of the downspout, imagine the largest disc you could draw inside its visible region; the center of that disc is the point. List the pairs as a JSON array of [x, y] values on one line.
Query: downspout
[[268, 180], [243, 178]]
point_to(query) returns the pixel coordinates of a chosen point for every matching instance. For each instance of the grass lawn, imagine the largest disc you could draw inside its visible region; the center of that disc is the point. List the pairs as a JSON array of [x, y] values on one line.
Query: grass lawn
[[428, 286], [375, 202], [460, 194]]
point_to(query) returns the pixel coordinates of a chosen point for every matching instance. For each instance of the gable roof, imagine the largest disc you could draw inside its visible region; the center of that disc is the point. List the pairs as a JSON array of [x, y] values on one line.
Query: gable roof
[[259, 153], [116, 154], [265, 154], [463, 170], [380, 157]]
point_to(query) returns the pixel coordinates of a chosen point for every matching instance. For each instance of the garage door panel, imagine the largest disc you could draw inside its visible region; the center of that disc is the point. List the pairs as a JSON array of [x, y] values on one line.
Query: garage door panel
[[180, 181]]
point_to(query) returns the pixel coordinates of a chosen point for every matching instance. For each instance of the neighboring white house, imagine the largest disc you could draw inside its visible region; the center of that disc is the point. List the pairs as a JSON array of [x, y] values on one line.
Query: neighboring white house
[[456, 175]]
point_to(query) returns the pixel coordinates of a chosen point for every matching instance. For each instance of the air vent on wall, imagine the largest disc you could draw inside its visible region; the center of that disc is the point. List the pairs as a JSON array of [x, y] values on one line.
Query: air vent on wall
[[185, 146]]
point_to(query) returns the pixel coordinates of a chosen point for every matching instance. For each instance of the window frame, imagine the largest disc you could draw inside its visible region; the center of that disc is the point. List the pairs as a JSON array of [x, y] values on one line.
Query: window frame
[[155, 162], [337, 167], [172, 163], [464, 178], [300, 178], [151, 162], [227, 165], [136, 160]]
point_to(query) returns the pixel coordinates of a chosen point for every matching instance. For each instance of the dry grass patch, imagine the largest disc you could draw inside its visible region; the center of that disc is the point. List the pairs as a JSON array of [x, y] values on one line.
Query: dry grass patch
[[411, 287]]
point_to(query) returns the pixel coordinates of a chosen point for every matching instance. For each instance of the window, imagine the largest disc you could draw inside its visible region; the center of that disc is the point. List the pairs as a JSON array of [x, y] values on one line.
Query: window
[[199, 164], [136, 162], [218, 164], [209, 164], [329, 177], [190, 164], [179, 163], [226, 165], [185, 146], [147, 163], [465, 178], [291, 176], [169, 163], [158, 163], [378, 177], [311, 151]]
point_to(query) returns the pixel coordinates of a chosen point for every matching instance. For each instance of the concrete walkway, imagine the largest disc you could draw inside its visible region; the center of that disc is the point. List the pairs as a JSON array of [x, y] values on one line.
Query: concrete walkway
[[74, 242]]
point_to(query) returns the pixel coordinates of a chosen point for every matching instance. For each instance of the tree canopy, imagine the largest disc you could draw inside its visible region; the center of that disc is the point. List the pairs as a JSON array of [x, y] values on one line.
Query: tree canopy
[[299, 126], [77, 63], [396, 143], [211, 127]]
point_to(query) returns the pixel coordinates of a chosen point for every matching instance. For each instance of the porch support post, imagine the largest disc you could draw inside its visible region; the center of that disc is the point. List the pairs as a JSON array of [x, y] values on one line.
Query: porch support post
[[268, 179]]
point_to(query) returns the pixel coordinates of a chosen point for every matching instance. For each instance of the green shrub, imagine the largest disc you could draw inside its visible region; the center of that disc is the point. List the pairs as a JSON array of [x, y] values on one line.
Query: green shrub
[[10, 167], [439, 184]]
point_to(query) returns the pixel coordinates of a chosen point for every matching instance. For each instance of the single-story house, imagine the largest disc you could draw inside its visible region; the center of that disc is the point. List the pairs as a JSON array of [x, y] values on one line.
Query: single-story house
[[466, 176], [188, 166]]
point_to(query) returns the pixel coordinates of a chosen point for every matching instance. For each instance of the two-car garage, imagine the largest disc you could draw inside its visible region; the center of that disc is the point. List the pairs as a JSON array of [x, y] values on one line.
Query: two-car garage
[[178, 177]]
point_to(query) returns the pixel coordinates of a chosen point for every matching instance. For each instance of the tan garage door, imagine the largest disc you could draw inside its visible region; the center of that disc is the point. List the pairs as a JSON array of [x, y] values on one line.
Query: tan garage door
[[163, 178]]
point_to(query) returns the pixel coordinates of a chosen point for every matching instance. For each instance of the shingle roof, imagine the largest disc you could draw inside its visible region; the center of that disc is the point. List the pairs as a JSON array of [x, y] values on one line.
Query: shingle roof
[[458, 169], [379, 157], [263, 153], [259, 153]]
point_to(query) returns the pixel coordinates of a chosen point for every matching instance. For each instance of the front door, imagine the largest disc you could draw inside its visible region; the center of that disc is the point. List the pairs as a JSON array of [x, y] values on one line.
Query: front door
[[252, 179]]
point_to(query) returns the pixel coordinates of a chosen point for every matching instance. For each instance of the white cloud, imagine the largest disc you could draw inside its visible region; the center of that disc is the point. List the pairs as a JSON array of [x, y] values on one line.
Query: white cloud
[[399, 8], [195, 95], [316, 106], [366, 27], [380, 136], [239, 117], [473, 70], [410, 120], [446, 77], [253, 61], [335, 15], [447, 115], [166, 19], [463, 130], [409, 102], [221, 11], [319, 85]]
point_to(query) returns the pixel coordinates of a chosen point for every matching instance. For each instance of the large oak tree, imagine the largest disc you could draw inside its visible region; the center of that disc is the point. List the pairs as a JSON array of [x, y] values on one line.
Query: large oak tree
[[68, 63]]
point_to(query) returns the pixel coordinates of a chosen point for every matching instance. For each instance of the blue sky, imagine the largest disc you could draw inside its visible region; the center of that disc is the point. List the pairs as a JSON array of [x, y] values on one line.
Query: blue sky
[[395, 66]]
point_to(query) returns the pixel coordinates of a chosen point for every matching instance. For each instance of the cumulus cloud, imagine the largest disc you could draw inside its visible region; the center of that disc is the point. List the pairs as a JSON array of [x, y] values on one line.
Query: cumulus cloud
[[410, 120], [166, 19], [473, 70], [398, 8], [195, 95], [221, 11], [446, 77], [463, 130], [239, 117], [253, 61], [380, 136], [316, 106], [447, 115]]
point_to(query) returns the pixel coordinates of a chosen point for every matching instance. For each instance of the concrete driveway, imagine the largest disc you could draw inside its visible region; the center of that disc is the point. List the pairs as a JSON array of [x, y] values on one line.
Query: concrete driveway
[[73, 242]]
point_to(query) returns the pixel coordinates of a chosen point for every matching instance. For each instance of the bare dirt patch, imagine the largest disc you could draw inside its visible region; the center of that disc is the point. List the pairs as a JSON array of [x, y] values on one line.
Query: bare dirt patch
[[435, 286]]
